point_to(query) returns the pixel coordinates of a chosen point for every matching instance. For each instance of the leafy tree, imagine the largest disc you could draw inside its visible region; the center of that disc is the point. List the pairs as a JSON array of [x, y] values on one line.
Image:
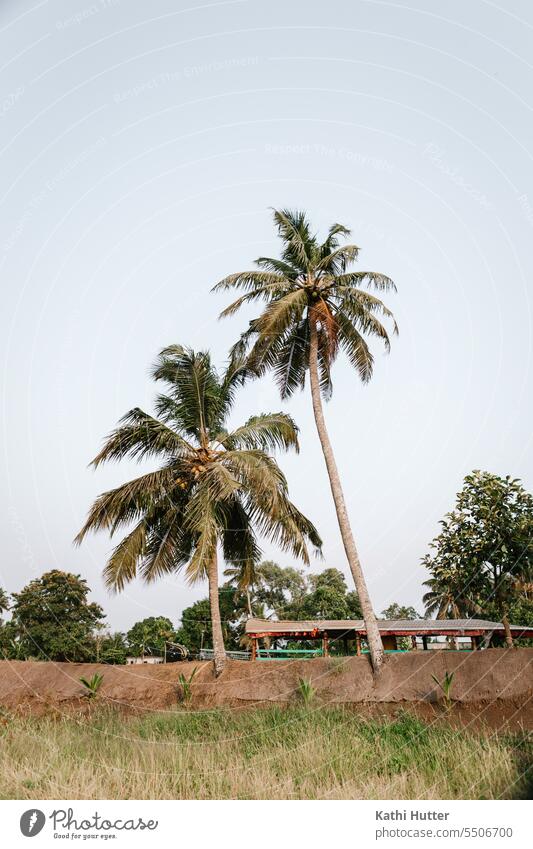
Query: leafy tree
[[400, 611], [315, 306], [483, 557], [4, 602], [149, 636], [52, 618], [111, 648], [278, 588], [213, 488], [196, 632], [326, 597]]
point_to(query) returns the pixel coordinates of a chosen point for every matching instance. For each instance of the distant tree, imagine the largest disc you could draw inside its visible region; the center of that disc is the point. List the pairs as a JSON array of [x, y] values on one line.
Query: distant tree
[[5, 637], [279, 587], [195, 631], [399, 611], [149, 636], [445, 598], [4, 602], [483, 556], [52, 618], [327, 597], [289, 593], [111, 648], [244, 577]]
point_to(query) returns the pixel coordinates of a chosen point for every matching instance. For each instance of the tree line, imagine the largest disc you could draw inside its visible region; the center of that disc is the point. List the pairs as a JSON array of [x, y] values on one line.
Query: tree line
[[52, 618], [479, 565]]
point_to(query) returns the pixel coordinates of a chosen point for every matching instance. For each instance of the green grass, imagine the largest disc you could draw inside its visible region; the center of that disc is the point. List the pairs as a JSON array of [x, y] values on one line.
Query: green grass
[[296, 752]]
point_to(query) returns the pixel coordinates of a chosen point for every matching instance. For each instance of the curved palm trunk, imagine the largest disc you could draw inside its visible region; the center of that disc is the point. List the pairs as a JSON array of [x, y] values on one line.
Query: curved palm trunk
[[219, 651], [249, 602], [372, 632]]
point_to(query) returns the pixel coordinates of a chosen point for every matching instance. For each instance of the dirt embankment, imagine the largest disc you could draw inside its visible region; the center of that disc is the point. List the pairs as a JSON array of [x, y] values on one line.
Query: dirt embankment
[[495, 680]]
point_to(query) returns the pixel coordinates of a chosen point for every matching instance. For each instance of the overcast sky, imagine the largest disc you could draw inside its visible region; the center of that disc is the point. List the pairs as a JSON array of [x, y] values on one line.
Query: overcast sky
[[141, 147]]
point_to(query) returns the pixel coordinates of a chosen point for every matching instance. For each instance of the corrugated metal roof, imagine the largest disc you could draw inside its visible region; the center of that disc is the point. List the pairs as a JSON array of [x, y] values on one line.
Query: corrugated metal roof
[[418, 626]]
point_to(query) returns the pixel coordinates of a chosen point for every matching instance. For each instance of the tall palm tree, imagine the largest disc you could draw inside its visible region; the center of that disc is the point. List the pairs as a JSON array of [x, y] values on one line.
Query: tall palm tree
[[215, 488], [315, 305]]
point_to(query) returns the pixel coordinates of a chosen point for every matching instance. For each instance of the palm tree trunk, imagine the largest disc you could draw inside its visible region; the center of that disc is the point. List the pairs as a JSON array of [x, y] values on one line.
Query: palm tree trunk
[[372, 632], [508, 636], [219, 652], [249, 602]]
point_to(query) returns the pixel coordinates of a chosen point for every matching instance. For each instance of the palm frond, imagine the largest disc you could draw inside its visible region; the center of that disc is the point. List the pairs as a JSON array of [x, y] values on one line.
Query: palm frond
[[250, 281], [355, 278], [295, 232], [277, 266], [337, 261], [205, 547], [355, 347], [262, 293], [141, 436], [267, 432], [332, 242], [194, 387], [168, 549], [292, 358], [121, 567], [239, 543], [131, 500]]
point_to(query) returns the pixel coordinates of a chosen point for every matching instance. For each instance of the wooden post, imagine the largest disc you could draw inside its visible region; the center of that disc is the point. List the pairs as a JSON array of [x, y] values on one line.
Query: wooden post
[[425, 643], [254, 648], [413, 642], [358, 643], [325, 645]]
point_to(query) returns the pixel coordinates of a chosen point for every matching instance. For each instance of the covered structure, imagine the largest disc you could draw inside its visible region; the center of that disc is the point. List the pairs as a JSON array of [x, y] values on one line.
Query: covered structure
[[479, 631]]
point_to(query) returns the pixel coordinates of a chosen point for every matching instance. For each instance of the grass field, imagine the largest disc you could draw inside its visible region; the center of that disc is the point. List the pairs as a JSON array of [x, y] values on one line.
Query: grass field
[[275, 753]]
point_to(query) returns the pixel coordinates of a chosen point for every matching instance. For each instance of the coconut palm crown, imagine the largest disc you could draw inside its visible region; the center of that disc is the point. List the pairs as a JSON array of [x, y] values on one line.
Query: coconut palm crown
[[310, 286], [316, 304], [215, 487]]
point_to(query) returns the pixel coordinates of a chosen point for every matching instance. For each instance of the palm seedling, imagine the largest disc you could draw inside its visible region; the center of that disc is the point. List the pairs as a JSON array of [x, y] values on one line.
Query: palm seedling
[[306, 691], [185, 690], [92, 685], [446, 687]]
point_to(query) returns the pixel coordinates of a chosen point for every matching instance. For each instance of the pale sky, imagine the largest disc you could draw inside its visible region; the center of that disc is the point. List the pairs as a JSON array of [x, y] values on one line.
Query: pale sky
[[141, 146]]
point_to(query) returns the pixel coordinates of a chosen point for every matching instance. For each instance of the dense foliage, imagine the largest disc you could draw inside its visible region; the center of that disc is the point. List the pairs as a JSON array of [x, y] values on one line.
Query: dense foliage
[[400, 611], [481, 563], [52, 619]]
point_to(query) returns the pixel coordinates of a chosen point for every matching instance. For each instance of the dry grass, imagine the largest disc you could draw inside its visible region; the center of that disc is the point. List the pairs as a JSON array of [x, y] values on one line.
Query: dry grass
[[292, 753]]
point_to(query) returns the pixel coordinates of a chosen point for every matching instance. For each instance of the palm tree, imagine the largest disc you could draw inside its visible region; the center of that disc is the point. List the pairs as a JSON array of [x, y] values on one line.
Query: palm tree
[[245, 576], [214, 487], [441, 600], [315, 305]]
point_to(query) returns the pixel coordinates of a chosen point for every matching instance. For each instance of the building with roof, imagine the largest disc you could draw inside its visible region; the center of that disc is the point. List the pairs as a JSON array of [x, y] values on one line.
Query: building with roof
[[472, 633]]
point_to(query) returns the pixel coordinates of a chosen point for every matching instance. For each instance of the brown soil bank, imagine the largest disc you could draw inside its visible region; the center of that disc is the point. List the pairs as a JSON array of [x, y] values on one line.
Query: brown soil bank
[[495, 682]]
